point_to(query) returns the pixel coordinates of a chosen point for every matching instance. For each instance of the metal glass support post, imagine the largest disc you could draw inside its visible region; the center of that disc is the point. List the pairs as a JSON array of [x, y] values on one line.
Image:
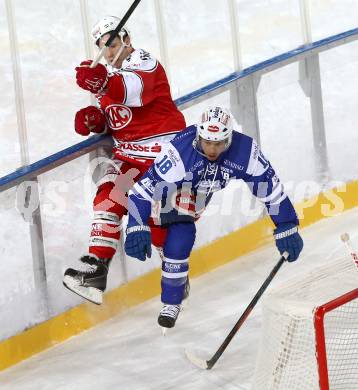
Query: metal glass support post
[[85, 27], [38, 256], [36, 237], [86, 36], [19, 94], [235, 33], [243, 102], [305, 21], [163, 45], [28, 204], [310, 81]]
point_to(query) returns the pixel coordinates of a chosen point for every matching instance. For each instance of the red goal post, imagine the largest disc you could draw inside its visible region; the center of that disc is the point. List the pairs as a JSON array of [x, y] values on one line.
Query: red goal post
[[323, 351]]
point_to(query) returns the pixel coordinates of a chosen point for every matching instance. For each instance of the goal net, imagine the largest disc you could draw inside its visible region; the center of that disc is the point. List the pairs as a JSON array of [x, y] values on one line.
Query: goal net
[[310, 332]]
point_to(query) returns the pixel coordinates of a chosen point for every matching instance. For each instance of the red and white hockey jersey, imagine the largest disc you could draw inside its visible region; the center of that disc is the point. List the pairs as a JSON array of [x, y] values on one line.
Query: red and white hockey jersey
[[139, 109]]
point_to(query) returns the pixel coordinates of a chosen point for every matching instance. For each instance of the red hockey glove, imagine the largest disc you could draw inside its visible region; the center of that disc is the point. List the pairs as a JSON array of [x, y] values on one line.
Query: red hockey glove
[[91, 79], [89, 119]]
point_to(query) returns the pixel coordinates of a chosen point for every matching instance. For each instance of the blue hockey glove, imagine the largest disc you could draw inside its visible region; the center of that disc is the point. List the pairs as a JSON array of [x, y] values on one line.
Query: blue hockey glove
[[288, 239], [138, 242]]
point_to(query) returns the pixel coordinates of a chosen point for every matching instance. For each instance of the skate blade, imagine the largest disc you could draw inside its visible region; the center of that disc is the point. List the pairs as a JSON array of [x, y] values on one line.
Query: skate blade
[[164, 331], [92, 294], [185, 304]]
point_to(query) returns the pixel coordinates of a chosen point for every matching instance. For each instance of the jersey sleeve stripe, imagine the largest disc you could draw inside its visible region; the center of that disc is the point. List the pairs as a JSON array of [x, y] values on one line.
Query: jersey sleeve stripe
[[134, 89], [276, 191], [279, 200], [124, 90], [176, 275]]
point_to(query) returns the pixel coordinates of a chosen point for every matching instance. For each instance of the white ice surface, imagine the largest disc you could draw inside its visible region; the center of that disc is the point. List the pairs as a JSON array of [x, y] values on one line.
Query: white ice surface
[[128, 352]]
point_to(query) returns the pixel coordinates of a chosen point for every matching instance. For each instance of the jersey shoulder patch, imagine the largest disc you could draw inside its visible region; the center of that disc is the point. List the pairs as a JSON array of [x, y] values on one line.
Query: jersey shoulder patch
[[140, 60], [185, 136], [257, 163], [238, 156]]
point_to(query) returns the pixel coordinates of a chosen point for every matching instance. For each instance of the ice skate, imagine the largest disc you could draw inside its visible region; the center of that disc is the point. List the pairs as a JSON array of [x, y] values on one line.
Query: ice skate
[[168, 316], [91, 282]]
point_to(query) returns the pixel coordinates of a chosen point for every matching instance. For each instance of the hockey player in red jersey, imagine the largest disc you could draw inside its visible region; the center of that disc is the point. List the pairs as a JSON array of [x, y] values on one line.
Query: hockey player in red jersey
[[135, 106]]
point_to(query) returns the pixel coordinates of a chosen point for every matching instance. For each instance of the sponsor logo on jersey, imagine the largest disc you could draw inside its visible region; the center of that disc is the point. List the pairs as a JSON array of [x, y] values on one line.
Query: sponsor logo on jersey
[[144, 55], [224, 169], [233, 165], [97, 229], [211, 169], [208, 186], [173, 156], [169, 267], [139, 60], [148, 184], [197, 165], [255, 152], [134, 147], [156, 148], [118, 116]]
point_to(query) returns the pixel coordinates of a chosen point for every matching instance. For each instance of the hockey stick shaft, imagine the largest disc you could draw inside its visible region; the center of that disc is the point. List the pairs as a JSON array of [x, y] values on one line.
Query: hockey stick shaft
[[211, 362], [115, 32]]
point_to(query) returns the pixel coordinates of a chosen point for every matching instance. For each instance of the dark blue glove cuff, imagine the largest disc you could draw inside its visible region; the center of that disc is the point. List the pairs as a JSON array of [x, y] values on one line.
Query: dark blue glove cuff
[[288, 240]]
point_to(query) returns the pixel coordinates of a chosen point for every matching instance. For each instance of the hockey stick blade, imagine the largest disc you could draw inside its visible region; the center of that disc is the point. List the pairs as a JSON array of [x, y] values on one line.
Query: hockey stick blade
[[200, 363], [208, 364]]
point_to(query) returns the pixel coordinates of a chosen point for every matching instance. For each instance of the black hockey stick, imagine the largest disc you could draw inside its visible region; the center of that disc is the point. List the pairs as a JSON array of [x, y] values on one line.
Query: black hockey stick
[[115, 32], [208, 364]]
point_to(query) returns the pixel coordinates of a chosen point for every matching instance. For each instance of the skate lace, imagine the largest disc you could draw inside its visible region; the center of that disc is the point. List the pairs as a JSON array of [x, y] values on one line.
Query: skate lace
[[170, 311], [89, 265], [88, 269]]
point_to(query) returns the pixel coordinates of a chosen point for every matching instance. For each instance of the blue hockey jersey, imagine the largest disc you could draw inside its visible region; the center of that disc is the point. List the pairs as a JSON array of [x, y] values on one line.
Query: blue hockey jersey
[[181, 165]]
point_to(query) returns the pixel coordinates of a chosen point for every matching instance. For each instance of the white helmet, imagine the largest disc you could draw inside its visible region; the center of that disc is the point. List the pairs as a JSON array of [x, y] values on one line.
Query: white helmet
[[105, 26], [215, 125]]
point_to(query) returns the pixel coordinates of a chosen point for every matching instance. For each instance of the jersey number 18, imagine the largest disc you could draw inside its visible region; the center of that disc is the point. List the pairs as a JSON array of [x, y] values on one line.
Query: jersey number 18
[[164, 165]]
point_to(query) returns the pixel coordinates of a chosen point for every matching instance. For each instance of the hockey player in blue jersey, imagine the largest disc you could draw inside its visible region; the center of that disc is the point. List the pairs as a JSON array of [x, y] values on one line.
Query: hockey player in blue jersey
[[196, 163]]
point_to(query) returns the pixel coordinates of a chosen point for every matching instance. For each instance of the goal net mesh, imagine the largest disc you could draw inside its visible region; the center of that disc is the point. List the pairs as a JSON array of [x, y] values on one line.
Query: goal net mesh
[[287, 356]]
